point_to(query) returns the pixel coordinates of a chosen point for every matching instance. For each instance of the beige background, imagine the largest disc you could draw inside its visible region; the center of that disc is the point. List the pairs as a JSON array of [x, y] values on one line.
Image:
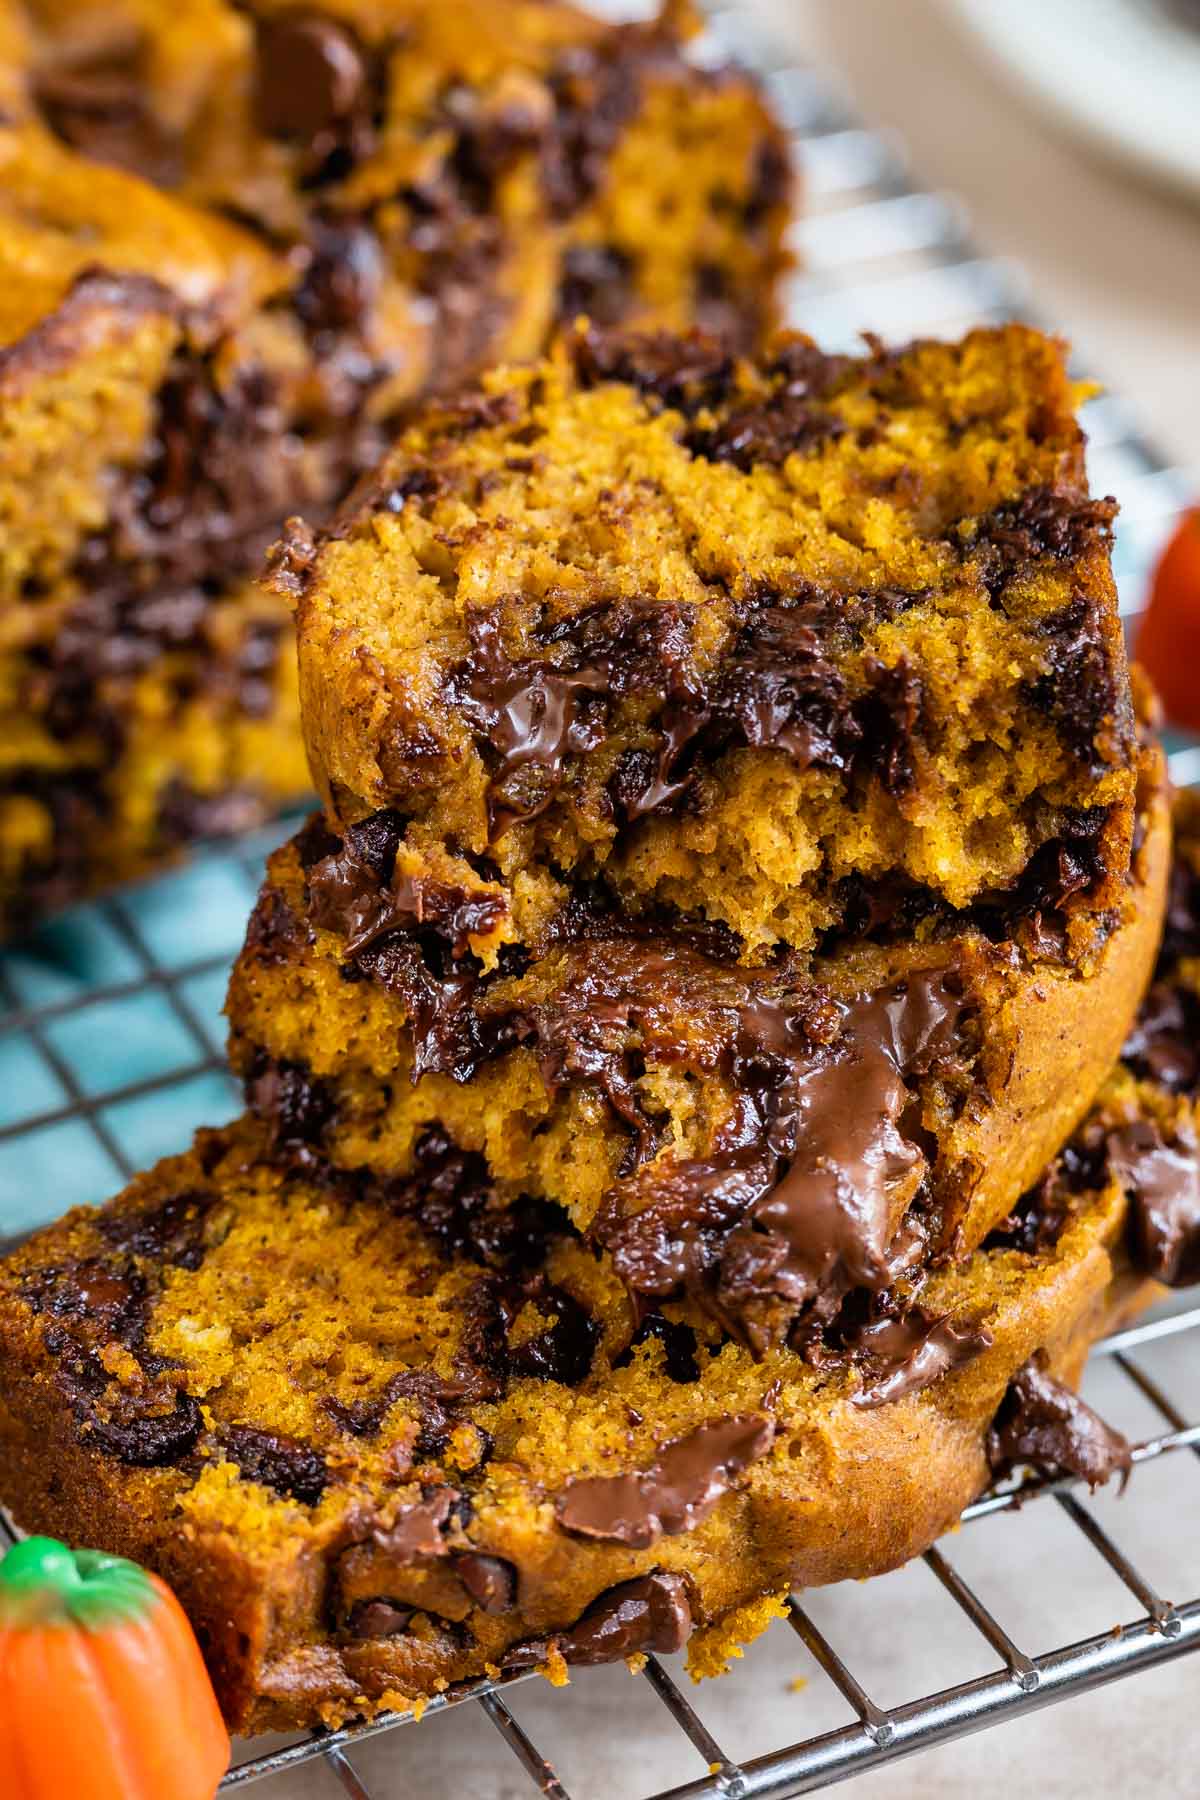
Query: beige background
[[1112, 258]]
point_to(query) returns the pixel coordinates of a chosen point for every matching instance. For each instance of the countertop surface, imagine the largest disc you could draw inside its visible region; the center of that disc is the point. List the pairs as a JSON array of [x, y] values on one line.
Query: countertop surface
[[1117, 264]]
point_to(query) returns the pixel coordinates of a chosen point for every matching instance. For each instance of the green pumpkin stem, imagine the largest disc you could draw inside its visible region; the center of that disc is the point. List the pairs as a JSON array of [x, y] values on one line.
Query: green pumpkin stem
[[44, 1583]]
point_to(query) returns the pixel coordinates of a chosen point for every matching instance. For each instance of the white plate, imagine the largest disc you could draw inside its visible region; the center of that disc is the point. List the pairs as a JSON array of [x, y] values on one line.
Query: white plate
[[1123, 73]]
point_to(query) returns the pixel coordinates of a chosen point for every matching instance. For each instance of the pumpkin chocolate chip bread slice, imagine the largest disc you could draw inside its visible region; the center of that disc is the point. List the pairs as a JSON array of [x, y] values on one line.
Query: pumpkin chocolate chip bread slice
[[782, 645], [763, 1137], [452, 179], [150, 382], [379, 1443]]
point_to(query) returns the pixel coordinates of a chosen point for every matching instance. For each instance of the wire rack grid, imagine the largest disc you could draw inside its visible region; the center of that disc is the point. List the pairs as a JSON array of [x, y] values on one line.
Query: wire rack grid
[[111, 1033]]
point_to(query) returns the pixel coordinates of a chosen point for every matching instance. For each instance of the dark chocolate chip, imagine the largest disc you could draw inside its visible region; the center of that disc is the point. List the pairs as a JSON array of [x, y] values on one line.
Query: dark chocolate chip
[[565, 1350], [289, 1097], [1163, 1180], [1042, 1423], [491, 1581], [650, 1615], [170, 1231], [379, 1618], [685, 372], [274, 932], [145, 1438], [309, 75], [766, 435], [292, 1469], [418, 1530], [679, 1346], [343, 279], [890, 721]]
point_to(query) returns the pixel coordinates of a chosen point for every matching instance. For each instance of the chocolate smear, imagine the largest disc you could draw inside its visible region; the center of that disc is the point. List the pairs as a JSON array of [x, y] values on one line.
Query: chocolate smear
[[534, 713], [675, 1494], [809, 1180], [1041, 1422], [901, 1356], [651, 1615], [1164, 1184]]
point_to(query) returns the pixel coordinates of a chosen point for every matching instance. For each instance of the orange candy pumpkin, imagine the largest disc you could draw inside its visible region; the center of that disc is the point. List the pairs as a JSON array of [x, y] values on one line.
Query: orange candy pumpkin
[[103, 1694], [1168, 639]]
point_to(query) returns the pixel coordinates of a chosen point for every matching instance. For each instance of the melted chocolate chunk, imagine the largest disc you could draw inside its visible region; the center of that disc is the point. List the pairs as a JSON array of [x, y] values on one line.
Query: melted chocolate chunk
[[675, 1494], [533, 714], [452, 1196], [890, 719], [350, 895], [172, 1231], [1042, 1423], [109, 1301], [651, 1614], [490, 1581], [89, 1305], [293, 1470], [310, 76], [1164, 1183], [809, 1180], [1058, 874], [1082, 689], [450, 1035], [777, 686], [137, 1434], [1040, 1217], [1164, 1045], [903, 1355]]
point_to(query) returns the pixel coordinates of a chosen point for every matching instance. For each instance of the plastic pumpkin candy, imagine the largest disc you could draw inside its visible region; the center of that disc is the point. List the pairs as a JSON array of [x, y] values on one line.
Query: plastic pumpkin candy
[[103, 1694], [1168, 639]]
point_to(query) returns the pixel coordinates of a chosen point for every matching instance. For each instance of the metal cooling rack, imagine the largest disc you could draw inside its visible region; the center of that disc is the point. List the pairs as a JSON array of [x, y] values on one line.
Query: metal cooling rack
[[111, 1035]]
